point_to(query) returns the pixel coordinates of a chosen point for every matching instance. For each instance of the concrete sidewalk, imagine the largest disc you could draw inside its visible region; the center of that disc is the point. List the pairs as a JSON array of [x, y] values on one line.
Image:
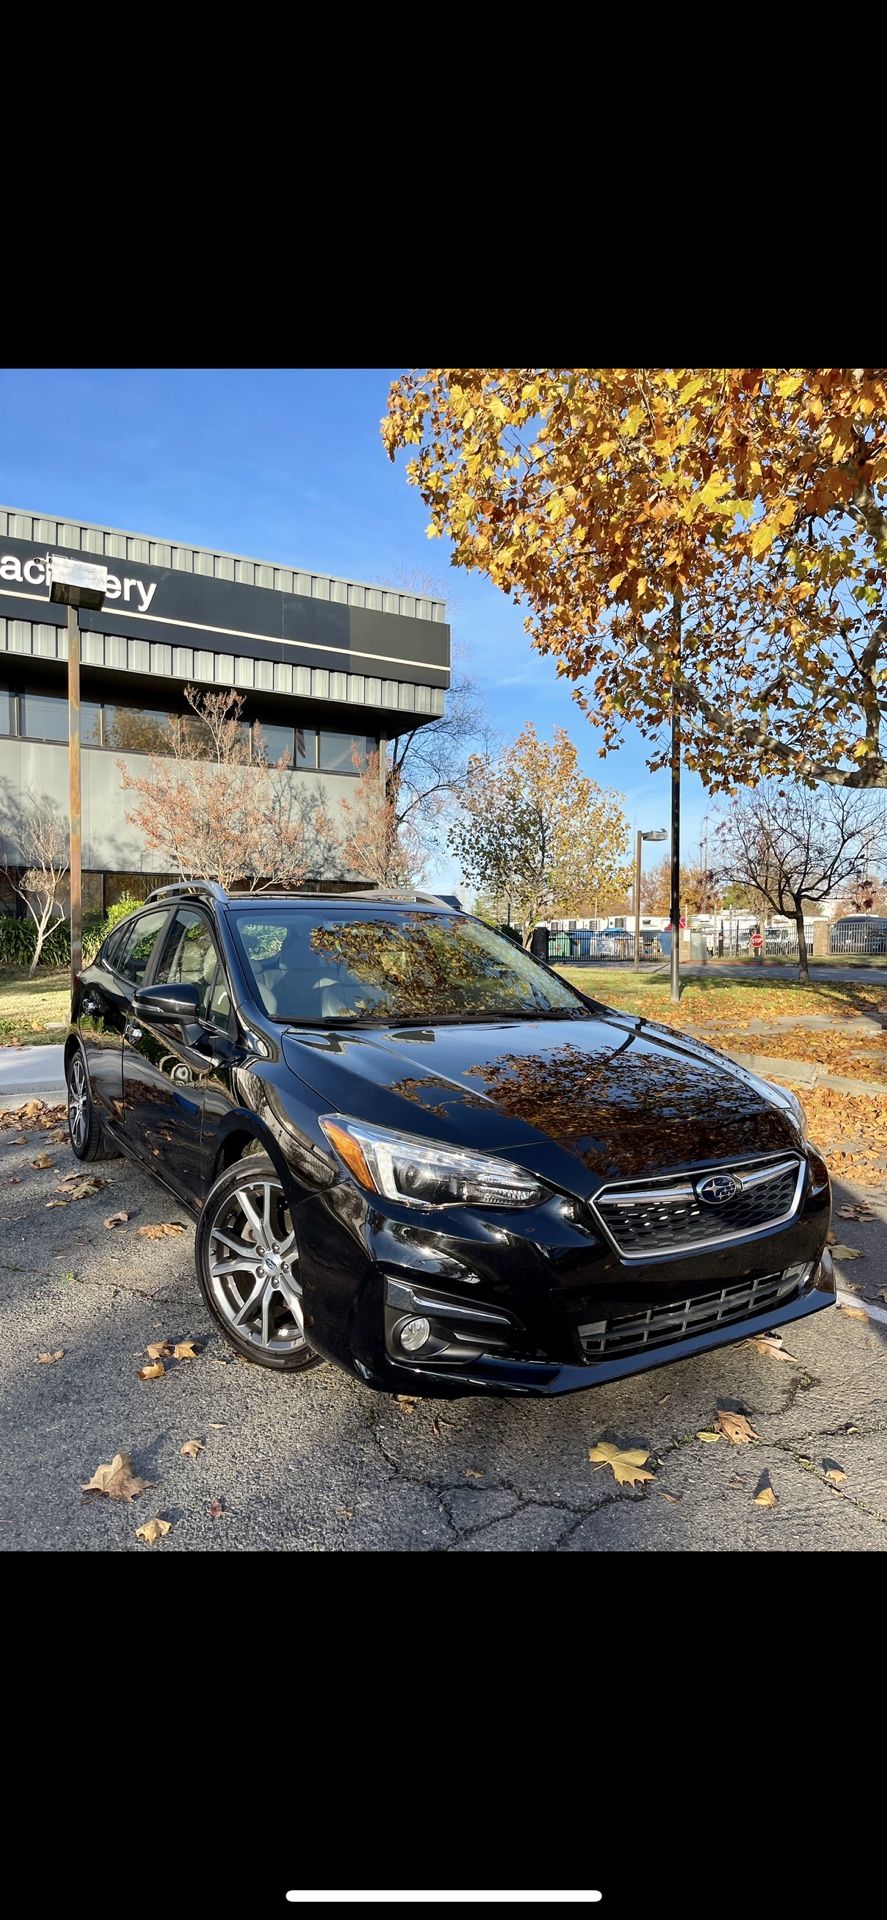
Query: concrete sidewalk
[[31, 1070]]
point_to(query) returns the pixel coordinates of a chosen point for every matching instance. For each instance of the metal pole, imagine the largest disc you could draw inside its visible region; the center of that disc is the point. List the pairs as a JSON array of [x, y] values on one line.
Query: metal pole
[[74, 784], [637, 900], [676, 817]]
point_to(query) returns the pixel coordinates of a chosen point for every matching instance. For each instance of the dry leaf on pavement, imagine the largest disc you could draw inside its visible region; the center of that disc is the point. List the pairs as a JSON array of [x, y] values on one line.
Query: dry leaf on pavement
[[477, 1473], [345, 1513], [187, 1350], [675, 1498], [49, 1359], [627, 1465], [159, 1350], [153, 1530], [115, 1220], [847, 1253], [116, 1480], [163, 1231], [833, 1472], [192, 1448], [853, 1313], [49, 1203], [407, 1402], [153, 1372], [711, 1438], [43, 1160], [216, 1509], [735, 1426], [765, 1496], [767, 1343]]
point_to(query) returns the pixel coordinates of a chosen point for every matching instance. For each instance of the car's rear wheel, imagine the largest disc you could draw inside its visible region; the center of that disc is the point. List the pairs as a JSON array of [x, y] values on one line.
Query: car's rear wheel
[[248, 1266], [84, 1128]]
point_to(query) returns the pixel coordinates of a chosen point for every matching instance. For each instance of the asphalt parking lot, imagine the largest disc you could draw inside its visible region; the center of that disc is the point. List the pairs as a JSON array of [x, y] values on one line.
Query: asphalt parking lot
[[322, 1464]]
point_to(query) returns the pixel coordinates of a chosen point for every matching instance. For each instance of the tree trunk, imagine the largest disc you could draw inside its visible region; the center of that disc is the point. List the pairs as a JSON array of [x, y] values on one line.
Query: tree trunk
[[803, 969]]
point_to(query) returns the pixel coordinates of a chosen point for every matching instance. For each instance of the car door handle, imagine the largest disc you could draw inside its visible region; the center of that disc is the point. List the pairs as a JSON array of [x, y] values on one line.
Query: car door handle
[[132, 1030]]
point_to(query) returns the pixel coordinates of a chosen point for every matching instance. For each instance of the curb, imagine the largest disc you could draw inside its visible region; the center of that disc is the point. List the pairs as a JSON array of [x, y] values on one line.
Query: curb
[[866, 1306], [22, 1091]]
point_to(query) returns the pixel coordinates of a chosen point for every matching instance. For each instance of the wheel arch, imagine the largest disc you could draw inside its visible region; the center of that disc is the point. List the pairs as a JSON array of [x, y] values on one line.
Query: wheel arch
[[243, 1132]]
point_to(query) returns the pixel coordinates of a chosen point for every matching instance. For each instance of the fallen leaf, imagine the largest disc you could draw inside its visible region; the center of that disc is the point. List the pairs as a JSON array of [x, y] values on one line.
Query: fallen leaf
[[853, 1313], [766, 1343], [85, 1189], [847, 1253], [216, 1509], [882, 1294], [627, 1466], [407, 1402], [153, 1530], [735, 1427], [116, 1480], [15, 1180], [833, 1472], [159, 1350], [187, 1350], [164, 1230], [345, 1513], [69, 1179], [675, 1498], [21, 1140], [49, 1359], [665, 1400], [850, 1428], [115, 1220], [153, 1372], [830, 1238], [765, 1496], [217, 1426], [477, 1473], [191, 1449], [711, 1438], [49, 1203], [738, 1480], [43, 1160]]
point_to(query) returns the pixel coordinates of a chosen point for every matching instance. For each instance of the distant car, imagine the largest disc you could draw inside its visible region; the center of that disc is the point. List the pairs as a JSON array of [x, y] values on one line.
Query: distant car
[[859, 933]]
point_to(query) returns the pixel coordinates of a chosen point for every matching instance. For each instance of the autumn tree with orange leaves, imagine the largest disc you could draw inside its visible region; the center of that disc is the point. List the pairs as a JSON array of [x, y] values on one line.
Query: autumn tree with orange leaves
[[753, 498], [537, 833], [216, 810]]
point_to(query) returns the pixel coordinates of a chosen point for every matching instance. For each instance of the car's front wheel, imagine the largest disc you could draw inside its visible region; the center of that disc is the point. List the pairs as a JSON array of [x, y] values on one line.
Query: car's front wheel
[[84, 1128], [248, 1266]]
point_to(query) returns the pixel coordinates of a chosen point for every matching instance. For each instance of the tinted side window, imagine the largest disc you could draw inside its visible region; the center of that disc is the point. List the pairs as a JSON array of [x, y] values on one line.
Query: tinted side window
[[112, 946], [133, 955], [190, 954]]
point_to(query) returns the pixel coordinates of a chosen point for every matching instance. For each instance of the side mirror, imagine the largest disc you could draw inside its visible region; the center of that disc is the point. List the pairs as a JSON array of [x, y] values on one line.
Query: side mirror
[[169, 1001]]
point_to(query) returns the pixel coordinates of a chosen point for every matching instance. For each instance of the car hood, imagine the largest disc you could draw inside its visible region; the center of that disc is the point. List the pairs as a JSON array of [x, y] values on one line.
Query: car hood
[[621, 1096]]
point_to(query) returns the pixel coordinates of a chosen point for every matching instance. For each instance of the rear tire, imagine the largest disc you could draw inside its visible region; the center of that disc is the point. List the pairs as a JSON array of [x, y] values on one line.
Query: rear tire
[[247, 1261], [88, 1142]]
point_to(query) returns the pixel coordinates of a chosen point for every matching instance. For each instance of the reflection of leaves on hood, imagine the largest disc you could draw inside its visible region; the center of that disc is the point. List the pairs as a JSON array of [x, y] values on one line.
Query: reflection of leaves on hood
[[630, 1109], [418, 1089]]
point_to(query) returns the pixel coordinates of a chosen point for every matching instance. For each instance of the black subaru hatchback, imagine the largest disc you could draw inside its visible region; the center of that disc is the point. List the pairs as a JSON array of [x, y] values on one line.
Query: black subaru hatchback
[[414, 1150]]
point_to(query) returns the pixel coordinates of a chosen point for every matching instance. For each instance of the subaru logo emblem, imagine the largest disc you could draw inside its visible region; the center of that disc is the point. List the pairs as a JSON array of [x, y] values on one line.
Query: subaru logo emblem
[[717, 1189]]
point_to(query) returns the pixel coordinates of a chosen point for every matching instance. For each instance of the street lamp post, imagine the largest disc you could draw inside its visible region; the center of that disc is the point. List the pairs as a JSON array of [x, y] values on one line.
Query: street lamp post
[[657, 833], [75, 583]]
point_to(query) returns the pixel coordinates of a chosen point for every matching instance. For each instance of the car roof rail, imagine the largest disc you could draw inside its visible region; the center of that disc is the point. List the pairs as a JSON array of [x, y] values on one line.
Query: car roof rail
[[211, 888]]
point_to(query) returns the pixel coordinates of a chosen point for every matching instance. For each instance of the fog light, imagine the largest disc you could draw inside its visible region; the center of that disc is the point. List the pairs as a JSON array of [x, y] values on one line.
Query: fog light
[[414, 1333]]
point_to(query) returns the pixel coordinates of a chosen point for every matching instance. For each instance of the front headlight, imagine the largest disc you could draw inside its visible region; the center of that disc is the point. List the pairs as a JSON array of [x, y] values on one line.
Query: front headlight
[[423, 1175]]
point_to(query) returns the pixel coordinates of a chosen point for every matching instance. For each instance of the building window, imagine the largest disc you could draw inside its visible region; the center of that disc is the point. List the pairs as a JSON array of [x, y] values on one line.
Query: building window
[[6, 712], [344, 752], [276, 742], [90, 725], [44, 717], [137, 730], [306, 748]]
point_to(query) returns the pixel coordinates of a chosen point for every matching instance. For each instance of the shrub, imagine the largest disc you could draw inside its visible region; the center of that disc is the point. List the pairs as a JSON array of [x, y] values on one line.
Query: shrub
[[18, 937]]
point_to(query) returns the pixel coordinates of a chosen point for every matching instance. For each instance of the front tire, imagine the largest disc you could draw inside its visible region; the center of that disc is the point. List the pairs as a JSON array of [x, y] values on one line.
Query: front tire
[[248, 1266], [84, 1127]]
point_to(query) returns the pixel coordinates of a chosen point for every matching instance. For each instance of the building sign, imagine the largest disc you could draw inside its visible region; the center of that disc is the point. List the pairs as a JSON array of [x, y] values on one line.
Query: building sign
[[176, 608]]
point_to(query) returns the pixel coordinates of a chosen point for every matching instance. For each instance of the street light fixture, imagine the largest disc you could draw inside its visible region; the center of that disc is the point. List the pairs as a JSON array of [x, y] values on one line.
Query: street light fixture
[[656, 833], [75, 584]]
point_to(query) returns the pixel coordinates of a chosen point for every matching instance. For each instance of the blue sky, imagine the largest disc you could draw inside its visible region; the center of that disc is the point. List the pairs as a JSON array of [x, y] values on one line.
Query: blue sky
[[288, 465]]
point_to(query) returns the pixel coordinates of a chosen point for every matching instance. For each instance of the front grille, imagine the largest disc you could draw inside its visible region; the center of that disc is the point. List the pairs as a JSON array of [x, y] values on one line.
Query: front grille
[[678, 1319], [668, 1216]]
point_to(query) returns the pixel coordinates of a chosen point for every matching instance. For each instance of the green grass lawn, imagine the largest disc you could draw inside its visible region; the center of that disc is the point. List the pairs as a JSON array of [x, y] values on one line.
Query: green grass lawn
[[34, 1012]]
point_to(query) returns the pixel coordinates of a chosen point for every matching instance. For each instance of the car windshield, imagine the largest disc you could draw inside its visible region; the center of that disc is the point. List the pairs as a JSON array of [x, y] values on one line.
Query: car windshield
[[361, 965]]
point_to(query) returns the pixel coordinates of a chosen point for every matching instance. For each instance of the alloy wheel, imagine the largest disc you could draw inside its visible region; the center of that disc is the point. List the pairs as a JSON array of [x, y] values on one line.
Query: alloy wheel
[[253, 1267], [78, 1103]]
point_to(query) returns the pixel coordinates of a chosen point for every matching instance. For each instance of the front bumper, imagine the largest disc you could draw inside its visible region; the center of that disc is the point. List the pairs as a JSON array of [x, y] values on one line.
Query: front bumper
[[519, 1294]]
